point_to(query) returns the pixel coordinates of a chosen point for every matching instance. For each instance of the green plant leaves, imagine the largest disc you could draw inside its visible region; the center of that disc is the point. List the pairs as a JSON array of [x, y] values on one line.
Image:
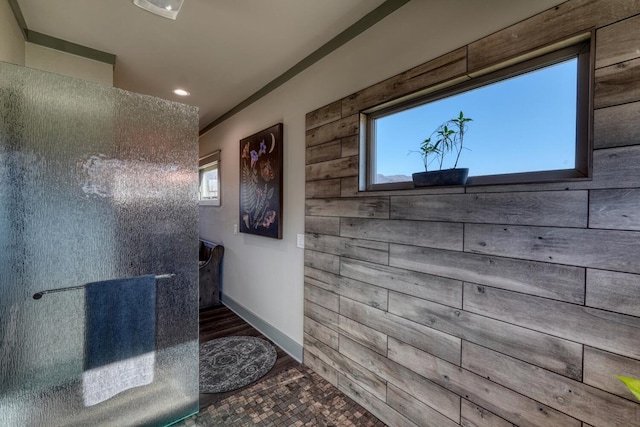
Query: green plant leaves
[[449, 137], [632, 384]]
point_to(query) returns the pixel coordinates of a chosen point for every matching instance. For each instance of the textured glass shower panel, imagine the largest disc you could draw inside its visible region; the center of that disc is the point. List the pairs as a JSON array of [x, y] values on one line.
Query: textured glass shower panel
[[95, 184]]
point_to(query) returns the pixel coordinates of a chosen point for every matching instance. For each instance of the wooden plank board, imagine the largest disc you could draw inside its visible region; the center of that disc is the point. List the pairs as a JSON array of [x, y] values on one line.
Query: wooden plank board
[[322, 297], [434, 288], [429, 393], [512, 406], [368, 337], [615, 167], [335, 130], [616, 126], [323, 152], [321, 368], [365, 207], [376, 406], [444, 235], [572, 397], [613, 291], [350, 146], [558, 23], [323, 115], [473, 415], [602, 249], [418, 412], [322, 261], [549, 208], [617, 84], [321, 315], [615, 209], [345, 166], [560, 282], [349, 187], [601, 367], [441, 69], [366, 379], [555, 354], [321, 333], [322, 189], [619, 42], [605, 330], [322, 225], [356, 290], [420, 191], [442, 345], [366, 250]]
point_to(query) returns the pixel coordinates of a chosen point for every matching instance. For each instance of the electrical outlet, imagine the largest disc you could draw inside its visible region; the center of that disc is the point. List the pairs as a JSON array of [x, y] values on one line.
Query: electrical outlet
[[235, 228], [300, 241]]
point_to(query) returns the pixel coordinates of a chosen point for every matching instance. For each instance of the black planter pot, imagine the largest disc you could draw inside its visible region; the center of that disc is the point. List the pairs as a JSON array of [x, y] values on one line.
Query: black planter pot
[[456, 176]]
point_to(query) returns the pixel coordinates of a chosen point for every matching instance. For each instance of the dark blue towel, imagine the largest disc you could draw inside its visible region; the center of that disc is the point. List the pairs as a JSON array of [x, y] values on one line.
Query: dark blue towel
[[120, 320]]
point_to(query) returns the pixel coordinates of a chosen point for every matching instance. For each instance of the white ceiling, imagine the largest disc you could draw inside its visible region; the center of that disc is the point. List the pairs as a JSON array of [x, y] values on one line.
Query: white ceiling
[[222, 51]]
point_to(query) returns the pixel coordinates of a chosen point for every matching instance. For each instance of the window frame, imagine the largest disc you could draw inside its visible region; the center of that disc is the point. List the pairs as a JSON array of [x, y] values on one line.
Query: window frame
[[204, 165], [580, 47]]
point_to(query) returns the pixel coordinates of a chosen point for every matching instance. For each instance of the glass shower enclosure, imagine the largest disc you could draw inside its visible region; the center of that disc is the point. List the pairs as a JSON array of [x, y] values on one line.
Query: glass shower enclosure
[[98, 254]]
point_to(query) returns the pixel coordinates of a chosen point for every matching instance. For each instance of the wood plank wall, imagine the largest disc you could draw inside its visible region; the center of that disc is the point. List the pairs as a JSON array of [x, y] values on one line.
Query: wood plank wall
[[488, 305]]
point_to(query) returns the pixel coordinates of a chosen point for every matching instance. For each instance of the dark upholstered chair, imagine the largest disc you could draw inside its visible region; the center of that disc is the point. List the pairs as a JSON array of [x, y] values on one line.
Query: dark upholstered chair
[[210, 259]]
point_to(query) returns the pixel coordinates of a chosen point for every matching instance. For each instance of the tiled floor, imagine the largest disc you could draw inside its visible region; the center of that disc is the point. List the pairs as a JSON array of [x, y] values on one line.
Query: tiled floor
[[289, 395], [296, 397]]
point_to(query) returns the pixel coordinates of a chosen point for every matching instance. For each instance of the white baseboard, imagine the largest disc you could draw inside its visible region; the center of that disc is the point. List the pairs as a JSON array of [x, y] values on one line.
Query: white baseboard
[[290, 347]]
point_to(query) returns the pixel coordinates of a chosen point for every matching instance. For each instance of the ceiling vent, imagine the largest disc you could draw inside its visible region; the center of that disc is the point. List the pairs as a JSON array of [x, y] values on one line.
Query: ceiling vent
[[166, 8]]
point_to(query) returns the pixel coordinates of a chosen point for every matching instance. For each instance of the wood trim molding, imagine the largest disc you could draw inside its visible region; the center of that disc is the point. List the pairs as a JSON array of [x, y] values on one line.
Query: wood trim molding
[[56, 43]]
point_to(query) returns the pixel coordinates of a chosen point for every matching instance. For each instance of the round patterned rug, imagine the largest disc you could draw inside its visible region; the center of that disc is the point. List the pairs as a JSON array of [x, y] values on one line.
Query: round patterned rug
[[232, 362]]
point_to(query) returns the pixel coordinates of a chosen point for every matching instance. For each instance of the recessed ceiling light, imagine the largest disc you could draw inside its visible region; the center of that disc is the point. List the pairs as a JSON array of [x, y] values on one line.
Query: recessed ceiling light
[[167, 8], [181, 92]]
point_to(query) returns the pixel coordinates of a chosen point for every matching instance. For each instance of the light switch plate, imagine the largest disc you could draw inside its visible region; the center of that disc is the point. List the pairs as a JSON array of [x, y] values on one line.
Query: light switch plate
[[300, 241]]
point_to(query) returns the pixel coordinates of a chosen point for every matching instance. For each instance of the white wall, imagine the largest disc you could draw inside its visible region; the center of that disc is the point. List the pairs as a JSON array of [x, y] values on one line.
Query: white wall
[[11, 40], [55, 61], [263, 275], [15, 50]]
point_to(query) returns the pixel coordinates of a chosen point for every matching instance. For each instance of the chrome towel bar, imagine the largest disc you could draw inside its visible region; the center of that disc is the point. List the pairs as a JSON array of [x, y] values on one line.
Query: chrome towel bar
[[40, 294]]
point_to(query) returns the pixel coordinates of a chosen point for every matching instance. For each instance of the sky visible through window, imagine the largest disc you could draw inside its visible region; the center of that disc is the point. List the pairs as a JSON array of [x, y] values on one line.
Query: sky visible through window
[[522, 124], [209, 183]]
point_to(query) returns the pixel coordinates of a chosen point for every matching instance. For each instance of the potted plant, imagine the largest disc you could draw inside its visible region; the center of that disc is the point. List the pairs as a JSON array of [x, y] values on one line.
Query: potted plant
[[447, 138]]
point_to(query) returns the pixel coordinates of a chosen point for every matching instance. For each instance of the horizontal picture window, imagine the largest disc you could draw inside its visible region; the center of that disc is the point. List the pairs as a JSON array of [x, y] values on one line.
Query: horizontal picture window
[[527, 123]]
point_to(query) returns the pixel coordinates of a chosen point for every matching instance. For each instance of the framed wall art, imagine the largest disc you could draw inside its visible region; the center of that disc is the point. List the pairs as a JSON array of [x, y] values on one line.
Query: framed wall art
[[261, 183]]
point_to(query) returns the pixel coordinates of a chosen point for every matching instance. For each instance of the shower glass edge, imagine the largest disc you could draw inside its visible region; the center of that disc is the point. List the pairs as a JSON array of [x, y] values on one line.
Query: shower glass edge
[[96, 183]]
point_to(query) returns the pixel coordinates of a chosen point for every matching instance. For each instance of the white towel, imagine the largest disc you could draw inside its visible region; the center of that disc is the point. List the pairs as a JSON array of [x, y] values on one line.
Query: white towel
[[104, 382]]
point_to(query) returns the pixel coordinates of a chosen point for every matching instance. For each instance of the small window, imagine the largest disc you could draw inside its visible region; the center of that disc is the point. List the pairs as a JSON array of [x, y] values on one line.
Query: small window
[[209, 171], [529, 123]]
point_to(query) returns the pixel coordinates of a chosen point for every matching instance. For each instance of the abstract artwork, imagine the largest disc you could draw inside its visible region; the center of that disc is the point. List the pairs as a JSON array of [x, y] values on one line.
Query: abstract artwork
[[261, 183]]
